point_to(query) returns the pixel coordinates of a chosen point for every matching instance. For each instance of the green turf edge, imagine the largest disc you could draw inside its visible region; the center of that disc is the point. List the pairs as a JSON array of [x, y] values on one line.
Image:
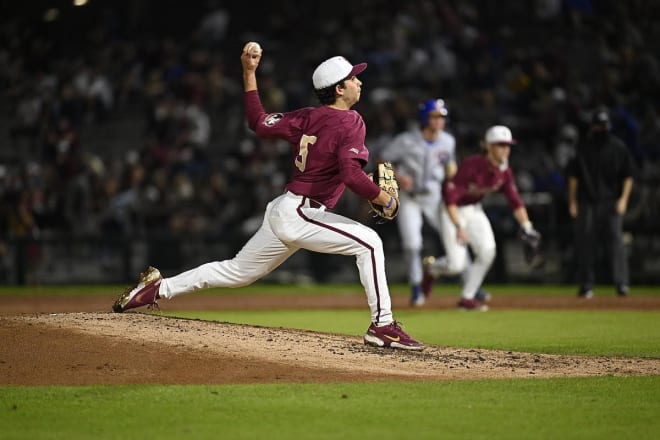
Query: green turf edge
[[262, 288], [585, 408]]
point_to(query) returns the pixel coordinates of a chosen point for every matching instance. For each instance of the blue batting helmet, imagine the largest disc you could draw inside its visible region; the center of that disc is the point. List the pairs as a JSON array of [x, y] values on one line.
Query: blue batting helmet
[[431, 106]]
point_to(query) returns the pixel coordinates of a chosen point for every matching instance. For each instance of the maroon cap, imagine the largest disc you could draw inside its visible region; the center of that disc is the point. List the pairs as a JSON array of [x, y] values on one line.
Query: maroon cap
[[357, 69]]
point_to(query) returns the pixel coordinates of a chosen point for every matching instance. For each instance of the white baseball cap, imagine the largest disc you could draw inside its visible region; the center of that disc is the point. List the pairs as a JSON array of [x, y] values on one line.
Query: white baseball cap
[[499, 134], [333, 70]]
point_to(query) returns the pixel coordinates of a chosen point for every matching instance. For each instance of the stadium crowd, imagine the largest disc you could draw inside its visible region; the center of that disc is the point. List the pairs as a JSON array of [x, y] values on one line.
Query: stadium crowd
[[539, 67]]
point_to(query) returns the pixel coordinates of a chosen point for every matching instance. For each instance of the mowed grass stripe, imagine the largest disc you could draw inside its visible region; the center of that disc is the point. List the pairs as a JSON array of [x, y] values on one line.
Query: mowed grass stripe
[[585, 408], [263, 288]]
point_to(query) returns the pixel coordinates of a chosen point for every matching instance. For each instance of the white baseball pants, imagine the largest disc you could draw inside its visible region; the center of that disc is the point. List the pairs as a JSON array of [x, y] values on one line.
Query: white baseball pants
[[480, 238], [410, 220], [293, 222]]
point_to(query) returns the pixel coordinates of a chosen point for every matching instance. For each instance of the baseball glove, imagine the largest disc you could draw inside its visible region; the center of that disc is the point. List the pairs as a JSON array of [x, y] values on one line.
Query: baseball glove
[[531, 239], [385, 179]]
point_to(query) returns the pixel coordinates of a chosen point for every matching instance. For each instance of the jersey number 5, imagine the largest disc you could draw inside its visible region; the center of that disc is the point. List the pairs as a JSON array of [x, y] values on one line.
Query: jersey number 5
[[301, 159]]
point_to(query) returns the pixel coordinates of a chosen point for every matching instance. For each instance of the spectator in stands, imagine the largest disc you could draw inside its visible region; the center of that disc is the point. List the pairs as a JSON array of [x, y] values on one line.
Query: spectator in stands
[[519, 76]]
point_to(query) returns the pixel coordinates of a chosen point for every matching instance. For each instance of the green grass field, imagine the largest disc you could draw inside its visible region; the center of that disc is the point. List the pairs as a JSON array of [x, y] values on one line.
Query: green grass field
[[534, 408], [596, 408], [260, 288]]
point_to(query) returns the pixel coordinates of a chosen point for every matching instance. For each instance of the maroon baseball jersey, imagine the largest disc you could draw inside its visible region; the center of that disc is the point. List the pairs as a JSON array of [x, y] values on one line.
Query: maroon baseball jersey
[[477, 177], [327, 147]]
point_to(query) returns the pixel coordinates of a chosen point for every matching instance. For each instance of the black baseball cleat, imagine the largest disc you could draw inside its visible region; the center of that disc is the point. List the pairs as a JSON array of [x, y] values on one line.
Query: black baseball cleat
[[622, 290], [585, 293]]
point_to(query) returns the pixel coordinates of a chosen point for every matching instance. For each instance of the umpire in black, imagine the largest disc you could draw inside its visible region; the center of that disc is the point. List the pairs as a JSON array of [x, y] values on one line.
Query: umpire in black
[[600, 179]]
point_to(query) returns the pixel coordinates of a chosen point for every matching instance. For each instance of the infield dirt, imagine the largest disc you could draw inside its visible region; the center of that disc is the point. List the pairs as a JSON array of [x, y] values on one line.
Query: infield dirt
[[75, 341]]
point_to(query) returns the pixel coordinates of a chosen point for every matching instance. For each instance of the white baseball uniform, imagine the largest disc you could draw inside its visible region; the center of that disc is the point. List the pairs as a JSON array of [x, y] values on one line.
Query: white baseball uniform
[[328, 153], [424, 161]]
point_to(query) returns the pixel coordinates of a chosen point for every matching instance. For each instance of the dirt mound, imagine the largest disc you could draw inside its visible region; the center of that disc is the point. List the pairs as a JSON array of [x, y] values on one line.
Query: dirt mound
[[133, 348]]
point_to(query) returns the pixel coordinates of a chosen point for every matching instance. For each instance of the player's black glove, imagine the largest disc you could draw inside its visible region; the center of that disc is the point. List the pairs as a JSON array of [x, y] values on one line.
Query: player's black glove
[[531, 239]]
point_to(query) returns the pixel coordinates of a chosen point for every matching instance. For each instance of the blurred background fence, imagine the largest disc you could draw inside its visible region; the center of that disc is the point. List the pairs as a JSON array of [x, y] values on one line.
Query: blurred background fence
[[117, 258]]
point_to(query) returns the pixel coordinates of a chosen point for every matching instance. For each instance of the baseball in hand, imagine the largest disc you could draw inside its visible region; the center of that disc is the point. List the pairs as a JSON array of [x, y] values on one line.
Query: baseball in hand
[[254, 49]]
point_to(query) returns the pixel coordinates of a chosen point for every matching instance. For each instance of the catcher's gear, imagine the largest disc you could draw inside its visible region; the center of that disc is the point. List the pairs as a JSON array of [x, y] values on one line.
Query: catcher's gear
[[531, 239], [385, 179]]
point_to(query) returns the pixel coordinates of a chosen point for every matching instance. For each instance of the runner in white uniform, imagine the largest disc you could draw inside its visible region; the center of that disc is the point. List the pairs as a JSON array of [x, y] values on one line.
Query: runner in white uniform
[[421, 158]]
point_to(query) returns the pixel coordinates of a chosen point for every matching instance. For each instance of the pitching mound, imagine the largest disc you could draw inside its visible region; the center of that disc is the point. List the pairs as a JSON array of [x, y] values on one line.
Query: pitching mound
[[135, 348]]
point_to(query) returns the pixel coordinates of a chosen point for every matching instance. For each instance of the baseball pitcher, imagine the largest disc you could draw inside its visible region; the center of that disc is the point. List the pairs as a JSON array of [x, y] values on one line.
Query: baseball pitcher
[[328, 153]]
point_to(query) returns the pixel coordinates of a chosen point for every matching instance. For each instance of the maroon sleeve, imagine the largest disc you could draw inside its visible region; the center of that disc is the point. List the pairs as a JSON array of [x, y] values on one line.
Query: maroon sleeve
[[351, 144], [357, 180], [511, 191], [450, 192], [454, 189], [272, 125], [253, 108]]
